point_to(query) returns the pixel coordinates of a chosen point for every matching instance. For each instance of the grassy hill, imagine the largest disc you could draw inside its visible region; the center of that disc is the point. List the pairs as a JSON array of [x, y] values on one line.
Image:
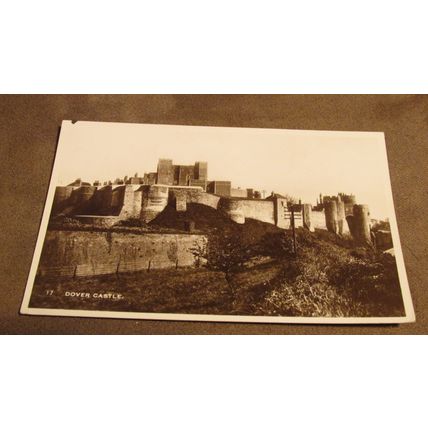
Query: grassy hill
[[251, 270]]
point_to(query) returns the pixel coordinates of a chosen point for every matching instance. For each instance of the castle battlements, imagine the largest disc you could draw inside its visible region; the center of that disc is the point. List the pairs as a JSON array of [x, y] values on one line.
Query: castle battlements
[[146, 197]]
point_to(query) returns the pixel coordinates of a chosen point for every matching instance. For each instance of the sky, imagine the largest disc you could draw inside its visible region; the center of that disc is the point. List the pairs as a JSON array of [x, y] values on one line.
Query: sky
[[302, 164]]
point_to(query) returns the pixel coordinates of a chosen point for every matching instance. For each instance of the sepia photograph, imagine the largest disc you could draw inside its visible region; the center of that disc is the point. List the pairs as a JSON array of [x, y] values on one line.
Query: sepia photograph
[[219, 224]]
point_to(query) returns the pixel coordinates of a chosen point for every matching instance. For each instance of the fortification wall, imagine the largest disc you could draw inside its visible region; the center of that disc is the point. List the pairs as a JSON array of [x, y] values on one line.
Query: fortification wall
[[132, 202], [62, 193], [191, 193], [268, 211], [383, 239], [343, 227], [307, 217], [280, 211], [232, 209], [194, 195], [117, 199], [154, 201], [81, 253], [62, 198], [238, 193], [84, 194], [359, 224], [207, 199], [335, 217], [102, 201], [318, 220], [256, 209]]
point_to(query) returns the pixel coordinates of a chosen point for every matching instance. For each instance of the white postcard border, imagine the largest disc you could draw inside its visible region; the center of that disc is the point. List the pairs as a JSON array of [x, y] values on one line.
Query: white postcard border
[[26, 310]]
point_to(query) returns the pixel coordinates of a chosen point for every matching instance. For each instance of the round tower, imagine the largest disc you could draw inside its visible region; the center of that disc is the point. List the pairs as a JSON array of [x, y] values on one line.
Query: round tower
[[341, 218], [350, 201], [86, 193], [154, 201], [62, 193], [233, 210], [330, 212], [361, 224], [307, 214]]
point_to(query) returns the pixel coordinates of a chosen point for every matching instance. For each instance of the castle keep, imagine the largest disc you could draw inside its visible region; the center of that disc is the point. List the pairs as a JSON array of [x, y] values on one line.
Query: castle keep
[[182, 175], [146, 197]]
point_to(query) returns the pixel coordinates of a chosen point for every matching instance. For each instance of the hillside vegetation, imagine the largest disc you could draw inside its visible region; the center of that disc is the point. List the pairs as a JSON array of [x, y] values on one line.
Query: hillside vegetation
[[251, 269], [328, 276]]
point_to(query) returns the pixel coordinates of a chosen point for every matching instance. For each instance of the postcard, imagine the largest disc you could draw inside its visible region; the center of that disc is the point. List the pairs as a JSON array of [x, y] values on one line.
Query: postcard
[[219, 224]]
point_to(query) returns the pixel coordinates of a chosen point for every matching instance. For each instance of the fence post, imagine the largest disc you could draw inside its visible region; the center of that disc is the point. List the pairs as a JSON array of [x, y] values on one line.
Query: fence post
[[118, 264], [293, 226]]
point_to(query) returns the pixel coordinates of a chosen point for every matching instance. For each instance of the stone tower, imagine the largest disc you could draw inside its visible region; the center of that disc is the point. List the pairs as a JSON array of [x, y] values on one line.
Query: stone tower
[[361, 225], [165, 174], [201, 170]]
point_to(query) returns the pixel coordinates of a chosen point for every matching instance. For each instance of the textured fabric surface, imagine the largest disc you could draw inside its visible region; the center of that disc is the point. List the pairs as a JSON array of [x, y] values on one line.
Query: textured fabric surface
[[29, 127]]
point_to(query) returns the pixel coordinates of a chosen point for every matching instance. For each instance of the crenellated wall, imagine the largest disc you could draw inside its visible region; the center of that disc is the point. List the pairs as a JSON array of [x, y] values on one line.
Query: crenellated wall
[[146, 202]]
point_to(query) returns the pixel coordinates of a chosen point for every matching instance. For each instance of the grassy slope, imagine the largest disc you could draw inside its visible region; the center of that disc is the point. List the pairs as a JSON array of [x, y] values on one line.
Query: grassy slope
[[328, 278]]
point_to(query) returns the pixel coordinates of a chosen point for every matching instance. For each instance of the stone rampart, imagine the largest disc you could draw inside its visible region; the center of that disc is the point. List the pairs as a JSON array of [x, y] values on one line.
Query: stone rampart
[[281, 219], [360, 224], [132, 202], [154, 201], [318, 220], [84, 253], [207, 199], [194, 195], [240, 209], [148, 201], [307, 217]]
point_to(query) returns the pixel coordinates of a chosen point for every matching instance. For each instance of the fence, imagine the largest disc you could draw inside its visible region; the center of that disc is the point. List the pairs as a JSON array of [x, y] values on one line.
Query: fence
[[83, 270]]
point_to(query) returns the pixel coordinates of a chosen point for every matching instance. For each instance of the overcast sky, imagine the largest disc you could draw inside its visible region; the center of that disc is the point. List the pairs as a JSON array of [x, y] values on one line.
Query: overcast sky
[[299, 163]]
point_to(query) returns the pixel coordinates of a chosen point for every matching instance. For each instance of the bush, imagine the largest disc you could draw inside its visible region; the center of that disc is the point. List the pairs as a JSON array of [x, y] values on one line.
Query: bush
[[373, 282], [328, 280], [277, 245]]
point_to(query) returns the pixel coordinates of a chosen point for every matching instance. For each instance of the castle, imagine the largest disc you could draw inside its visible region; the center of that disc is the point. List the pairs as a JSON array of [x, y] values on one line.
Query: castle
[[146, 197], [179, 175]]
